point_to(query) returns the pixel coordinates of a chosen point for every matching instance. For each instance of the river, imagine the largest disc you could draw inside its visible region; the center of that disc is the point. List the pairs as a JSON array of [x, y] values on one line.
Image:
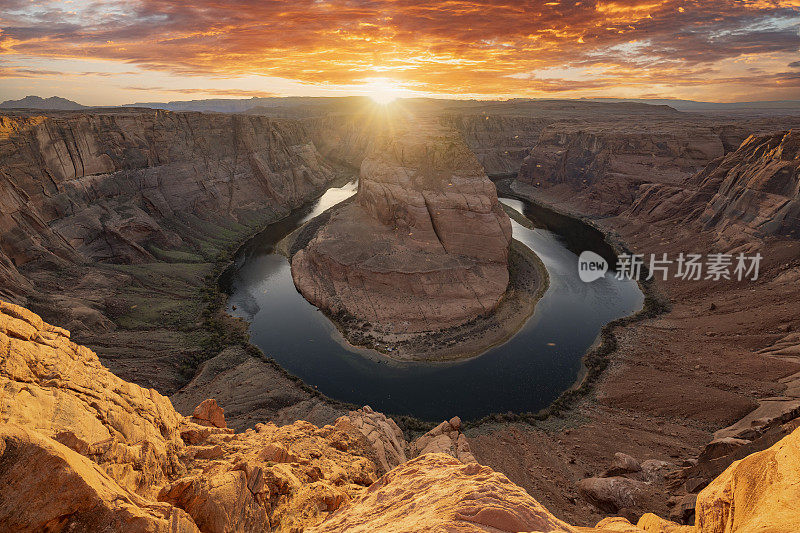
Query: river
[[526, 373]]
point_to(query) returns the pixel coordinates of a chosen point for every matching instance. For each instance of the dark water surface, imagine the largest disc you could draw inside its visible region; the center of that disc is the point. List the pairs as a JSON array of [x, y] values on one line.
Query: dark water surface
[[525, 374]]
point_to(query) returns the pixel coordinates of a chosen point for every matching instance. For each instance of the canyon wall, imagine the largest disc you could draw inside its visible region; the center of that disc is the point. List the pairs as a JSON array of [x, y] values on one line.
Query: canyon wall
[[602, 165], [601, 168], [112, 222], [347, 138], [120, 187], [753, 191], [500, 142]]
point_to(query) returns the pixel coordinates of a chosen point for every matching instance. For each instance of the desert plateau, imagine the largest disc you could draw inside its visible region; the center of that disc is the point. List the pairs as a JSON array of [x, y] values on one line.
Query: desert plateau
[[401, 267]]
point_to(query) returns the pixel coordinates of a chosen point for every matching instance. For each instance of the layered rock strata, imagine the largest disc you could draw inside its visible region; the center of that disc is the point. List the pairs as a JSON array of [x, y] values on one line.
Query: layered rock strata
[[601, 167], [753, 190], [82, 450], [603, 164], [424, 246], [131, 186], [111, 221]]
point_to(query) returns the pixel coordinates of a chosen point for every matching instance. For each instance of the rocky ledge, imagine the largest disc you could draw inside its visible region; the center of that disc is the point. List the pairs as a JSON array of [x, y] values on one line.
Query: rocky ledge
[[423, 247], [83, 450]]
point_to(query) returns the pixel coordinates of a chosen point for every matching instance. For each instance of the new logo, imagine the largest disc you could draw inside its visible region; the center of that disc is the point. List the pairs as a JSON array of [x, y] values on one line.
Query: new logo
[[591, 266]]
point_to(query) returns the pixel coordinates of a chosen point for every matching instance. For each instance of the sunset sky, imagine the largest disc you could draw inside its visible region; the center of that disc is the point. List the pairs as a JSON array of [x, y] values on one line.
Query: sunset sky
[[113, 52]]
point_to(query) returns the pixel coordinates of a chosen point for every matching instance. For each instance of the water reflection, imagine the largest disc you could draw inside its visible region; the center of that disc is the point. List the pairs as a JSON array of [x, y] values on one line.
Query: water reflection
[[525, 374]]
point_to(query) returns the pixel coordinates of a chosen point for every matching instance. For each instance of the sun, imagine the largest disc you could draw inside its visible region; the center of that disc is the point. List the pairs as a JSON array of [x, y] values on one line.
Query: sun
[[382, 91]]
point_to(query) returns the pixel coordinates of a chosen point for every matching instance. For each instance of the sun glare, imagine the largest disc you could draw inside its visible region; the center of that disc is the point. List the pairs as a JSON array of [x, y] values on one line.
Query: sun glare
[[382, 92]]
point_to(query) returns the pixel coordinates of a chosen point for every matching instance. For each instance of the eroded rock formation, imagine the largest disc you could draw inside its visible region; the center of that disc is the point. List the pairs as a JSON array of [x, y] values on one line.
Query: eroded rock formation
[[82, 450], [110, 221], [458, 497], [444, 438], [603, 164], [500, 142], [758, 493], [753, 190], [127, 186], [425, 244]]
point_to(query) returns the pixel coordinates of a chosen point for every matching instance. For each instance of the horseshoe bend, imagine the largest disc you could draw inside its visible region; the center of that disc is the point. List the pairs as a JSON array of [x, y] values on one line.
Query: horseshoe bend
[[424, 246], [369, 313]]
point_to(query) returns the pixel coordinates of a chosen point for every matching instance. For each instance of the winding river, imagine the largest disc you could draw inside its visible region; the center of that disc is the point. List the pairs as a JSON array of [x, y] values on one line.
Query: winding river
[[524, 374]]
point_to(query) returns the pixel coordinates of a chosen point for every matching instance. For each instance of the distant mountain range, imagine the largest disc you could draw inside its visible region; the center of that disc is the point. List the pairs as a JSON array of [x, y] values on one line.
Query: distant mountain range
[[273, 105], [37, 102], [757, 107], [295, 106], [218, 105]]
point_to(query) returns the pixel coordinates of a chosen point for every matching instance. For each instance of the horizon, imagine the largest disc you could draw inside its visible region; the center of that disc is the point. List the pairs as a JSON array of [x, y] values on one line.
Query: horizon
[[113, 53], [402, 98]]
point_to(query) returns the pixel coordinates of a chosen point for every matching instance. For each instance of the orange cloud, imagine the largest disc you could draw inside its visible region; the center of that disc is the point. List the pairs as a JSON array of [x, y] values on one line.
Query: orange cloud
[[215, 92], [453, 47]]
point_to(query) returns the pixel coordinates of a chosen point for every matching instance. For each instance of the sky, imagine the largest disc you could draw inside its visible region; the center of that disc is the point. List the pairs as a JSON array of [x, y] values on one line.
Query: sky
[[109, 52]]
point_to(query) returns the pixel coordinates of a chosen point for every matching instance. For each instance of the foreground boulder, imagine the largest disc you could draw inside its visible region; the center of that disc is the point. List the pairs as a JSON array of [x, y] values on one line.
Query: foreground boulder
[[48, 487], [611, 494], [425, 244], [209, 413], [59, 390], [383, 434], [457, 497], [444, 438]]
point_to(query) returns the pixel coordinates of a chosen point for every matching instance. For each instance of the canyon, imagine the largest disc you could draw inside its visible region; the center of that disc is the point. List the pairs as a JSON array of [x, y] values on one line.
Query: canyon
[[115, 218], [114, 224]]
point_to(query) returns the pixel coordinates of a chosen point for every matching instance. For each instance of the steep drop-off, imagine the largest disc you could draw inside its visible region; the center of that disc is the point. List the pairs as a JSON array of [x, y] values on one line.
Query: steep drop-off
[[601, 165], [596, 165], [116, 187], [724, 353], [500, 142], [753, 190], [113, 222]]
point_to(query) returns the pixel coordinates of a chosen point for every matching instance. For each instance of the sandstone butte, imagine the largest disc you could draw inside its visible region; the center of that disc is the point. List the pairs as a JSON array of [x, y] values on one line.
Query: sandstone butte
[[425, 244], [83, 450]]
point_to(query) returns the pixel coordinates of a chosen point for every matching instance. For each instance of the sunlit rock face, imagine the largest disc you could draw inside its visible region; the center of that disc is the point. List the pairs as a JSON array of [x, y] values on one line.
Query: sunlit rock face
[[753, 192], [423, 246], [83, 450]]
